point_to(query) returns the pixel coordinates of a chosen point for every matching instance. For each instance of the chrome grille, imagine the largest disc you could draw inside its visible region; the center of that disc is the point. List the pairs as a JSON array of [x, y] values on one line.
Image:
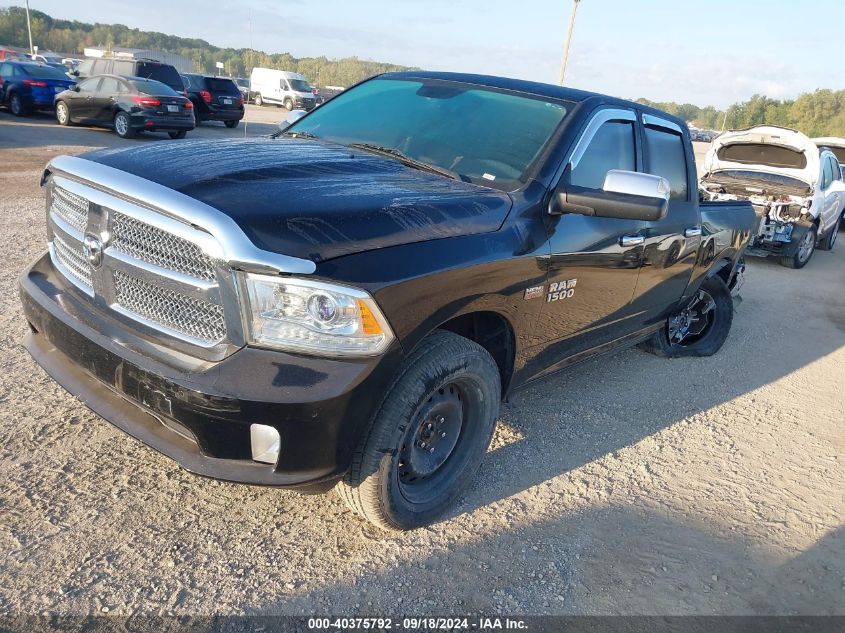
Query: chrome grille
[[71, 258], [195, 318], [70, 207], [151, 244]]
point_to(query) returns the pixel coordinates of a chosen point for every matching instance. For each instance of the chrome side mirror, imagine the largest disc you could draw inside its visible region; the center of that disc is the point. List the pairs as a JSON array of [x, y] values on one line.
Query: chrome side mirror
[[627, 195], [292, 118], [634, 183]]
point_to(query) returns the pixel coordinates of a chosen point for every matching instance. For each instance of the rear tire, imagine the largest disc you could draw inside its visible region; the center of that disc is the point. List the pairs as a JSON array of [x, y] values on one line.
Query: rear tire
[[16, 105], [429, 436], [679, 337], [123, 125], [179, 134], [259, 101], [830, 239], [62, 113], [288, 104], [805, 251], [231, 124]]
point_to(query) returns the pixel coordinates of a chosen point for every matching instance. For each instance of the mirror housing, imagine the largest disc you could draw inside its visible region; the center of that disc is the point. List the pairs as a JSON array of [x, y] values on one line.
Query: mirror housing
[[627, 195], [292, 118]]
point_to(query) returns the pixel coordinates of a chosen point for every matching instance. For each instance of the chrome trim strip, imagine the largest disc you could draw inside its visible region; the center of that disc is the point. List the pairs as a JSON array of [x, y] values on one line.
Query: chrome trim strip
[[237, 250], [650, 119], [67, 274], [169, 279], [599, 118], [154, 325]]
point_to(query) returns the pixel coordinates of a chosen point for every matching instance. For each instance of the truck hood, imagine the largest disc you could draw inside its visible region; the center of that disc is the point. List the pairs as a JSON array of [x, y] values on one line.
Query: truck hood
[[765, 149], [315, 200]]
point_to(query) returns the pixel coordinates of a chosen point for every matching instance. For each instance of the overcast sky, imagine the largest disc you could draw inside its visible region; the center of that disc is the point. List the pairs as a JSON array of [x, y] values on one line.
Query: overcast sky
[[714, 52]]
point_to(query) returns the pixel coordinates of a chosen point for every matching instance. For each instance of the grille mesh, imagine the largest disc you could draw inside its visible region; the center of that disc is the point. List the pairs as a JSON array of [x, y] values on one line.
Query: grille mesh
[[71, 257], [198, 319], [72, 208], [151, 244]]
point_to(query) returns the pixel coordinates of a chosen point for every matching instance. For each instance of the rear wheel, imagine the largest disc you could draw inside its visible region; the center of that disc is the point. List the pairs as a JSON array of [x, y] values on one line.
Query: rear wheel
[[700, 328], [231, 124], [829, 240], [123, 126], [429, 436], [288, 104], [806, 248], [16, 105], [62, 113], [179, 134], [259, 101]]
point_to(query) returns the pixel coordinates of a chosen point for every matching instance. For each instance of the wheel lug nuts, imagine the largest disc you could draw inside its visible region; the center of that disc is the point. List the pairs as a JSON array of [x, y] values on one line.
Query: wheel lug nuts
[[422, 444], [431, 450], [443, 434], [441, 420]]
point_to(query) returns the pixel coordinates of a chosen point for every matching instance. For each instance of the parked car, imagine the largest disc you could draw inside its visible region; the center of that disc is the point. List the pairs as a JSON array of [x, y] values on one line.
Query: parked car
[[8, 53], [243, 86], [348, 303], [51, 59], [214, 99], [837, 146], [144, 68], [26, 85], [280, 87], [796, 188], [126, 104]]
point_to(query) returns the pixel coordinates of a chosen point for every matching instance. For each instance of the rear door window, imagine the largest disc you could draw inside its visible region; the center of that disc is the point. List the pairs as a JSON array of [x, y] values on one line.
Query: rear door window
[[163, 73], [612, 147], [666, 157]]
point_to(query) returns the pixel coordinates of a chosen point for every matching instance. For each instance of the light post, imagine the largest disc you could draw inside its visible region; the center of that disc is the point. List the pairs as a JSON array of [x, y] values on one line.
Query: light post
[[568, 41], [29, 29]]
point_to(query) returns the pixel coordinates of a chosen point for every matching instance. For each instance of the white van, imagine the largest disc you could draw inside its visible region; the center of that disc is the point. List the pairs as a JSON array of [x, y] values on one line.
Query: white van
[[281, 87]]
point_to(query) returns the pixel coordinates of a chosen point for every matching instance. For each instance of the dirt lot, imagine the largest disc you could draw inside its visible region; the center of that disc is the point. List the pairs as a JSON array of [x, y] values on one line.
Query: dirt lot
[[630, 485]]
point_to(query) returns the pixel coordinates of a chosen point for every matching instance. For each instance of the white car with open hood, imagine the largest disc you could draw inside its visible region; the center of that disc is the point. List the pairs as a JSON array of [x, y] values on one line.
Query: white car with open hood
[[796, 188]]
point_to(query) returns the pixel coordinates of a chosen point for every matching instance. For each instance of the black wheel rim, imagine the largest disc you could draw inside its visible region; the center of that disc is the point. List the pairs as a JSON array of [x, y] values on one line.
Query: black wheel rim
[[437, 442], [694, 322]]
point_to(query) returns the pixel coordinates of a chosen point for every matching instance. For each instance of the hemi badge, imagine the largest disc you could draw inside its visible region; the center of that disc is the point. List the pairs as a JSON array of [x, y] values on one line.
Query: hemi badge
[[535, 292]]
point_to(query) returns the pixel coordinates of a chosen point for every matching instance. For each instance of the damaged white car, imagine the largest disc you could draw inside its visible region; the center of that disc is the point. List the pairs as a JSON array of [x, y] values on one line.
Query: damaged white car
[[796, 188]]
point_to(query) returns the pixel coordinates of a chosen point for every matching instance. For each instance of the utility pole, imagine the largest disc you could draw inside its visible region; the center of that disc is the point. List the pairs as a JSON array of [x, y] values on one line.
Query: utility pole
[[568, 41], [29, 29]]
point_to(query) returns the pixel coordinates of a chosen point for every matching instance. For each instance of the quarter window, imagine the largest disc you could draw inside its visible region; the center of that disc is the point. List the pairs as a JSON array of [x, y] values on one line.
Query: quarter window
[[612, 147], [666, 157]]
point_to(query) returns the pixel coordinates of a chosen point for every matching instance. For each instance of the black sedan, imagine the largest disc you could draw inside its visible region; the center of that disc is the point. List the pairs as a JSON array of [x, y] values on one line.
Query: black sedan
[[127, 104]]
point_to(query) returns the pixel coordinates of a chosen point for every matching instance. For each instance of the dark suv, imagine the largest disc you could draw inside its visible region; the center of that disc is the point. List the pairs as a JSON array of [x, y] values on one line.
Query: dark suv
[[215, 99], [143, 68]]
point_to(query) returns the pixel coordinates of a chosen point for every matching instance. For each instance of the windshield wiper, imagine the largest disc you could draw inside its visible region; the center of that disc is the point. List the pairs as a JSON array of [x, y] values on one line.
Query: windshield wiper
[[405, 159], [299, 134]]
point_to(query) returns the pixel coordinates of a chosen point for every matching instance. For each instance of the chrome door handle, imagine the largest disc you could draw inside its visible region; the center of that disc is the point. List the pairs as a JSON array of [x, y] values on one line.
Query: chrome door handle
[[631, 240], [693, 231]]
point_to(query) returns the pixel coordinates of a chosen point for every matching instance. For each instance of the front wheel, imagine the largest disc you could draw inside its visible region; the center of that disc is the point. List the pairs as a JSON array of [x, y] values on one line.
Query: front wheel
[[123, 125], [62, 113], [828, 242], [16, 105], [288, 104], [700, 327], [429, 436], [806, 248], [179, 134], [231, 124]]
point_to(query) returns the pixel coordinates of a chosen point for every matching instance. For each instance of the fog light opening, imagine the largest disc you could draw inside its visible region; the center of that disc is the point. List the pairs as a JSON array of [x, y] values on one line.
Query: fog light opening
[[265, 443]]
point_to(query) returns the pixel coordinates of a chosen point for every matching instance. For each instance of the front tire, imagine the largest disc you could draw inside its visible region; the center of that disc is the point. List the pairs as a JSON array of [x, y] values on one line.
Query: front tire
[[700, 328], [123, 125], [806, 248], [16, 105], [429, 436], [62, 113], [288, 104]]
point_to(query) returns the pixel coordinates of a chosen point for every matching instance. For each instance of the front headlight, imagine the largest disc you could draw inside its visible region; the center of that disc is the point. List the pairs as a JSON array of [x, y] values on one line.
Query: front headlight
[[314, 317]]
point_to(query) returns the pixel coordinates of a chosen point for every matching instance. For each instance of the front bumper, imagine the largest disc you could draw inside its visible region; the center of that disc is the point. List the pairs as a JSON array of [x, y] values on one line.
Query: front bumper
[[200, 416], [785, 245]]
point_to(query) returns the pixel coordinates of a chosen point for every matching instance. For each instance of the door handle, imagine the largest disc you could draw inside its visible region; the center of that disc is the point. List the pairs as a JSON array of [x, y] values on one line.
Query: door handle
[[631, 240], [693, 231]]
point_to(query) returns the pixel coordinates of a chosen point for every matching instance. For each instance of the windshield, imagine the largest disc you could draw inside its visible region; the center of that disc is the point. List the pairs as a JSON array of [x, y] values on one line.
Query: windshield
[[299, 85], [42, 71], [485, 135], [154, 88]]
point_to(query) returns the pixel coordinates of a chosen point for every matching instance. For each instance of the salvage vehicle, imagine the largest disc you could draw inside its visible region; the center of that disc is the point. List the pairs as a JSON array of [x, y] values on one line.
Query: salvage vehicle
[[796, 188], [346, 305], [128, 105]]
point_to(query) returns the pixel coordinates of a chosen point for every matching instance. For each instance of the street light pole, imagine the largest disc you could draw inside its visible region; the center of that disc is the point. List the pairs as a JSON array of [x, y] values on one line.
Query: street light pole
[[29, 29], [568, 41]]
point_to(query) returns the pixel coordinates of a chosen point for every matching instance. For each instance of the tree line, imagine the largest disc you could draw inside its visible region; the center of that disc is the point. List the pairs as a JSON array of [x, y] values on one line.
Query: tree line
[[70, 36], [819, 113]]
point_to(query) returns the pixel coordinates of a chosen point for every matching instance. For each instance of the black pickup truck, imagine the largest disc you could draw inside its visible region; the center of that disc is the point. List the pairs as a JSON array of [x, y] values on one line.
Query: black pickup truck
[[347, 304]]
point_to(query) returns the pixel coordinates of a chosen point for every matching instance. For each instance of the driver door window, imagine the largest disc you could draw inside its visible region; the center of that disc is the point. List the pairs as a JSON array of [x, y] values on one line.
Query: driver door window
[[612, 147]]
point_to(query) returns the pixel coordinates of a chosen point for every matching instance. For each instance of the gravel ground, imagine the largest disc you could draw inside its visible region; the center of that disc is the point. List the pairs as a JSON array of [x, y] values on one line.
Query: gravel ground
[[630, 485]]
